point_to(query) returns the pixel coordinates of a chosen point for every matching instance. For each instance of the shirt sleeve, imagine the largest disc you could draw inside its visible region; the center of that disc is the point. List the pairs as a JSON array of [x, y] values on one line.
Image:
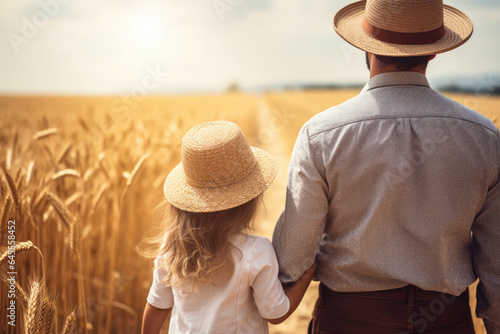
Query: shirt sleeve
[[160, 296], [268, 293], [298, 232], [486, 241]]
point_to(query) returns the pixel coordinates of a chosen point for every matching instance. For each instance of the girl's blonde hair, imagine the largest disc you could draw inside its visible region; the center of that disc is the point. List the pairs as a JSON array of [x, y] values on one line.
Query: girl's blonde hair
[[197, 245]]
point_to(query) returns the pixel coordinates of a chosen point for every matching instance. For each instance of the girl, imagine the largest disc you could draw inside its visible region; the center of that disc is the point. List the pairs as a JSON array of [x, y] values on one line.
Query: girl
[[209, 273]]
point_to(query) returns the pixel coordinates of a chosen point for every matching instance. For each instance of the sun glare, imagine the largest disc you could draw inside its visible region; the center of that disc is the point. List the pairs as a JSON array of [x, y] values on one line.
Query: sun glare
[[147, 29]]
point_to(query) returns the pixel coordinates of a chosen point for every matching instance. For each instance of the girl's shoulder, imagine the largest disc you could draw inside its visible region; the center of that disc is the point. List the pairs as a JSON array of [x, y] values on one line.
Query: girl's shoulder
[[248, 240], [253, 244]]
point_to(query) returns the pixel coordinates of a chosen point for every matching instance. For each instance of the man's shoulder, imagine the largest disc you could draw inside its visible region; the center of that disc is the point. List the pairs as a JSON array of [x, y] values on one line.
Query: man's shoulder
[[455, 109], [336, 116], [385, 103]]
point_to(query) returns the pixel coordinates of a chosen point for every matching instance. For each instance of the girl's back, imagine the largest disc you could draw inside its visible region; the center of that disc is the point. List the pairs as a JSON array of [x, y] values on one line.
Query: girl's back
[[238, 301]]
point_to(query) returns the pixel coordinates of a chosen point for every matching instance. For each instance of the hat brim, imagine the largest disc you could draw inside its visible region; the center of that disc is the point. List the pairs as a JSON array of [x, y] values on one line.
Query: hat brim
[[210, 199], [347, 23]]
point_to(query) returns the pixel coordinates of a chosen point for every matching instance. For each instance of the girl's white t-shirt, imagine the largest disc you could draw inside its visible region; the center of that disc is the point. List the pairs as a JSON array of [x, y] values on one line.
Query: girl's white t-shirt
[[237, 302]]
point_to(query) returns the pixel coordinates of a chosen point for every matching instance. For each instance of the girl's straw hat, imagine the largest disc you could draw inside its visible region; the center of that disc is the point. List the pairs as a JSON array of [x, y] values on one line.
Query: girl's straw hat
[[403, 27], [218, 169]]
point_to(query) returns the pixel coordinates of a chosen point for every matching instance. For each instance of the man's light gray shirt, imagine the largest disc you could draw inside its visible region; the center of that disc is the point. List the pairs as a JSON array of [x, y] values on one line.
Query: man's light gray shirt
[[385, 189]]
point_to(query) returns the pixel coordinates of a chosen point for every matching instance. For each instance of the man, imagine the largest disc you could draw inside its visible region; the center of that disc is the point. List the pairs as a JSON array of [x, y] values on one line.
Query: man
[[396, 192]]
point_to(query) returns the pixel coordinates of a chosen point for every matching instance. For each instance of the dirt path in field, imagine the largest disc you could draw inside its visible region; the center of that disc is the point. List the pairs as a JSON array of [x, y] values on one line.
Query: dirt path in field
[[269, 139], [273, 138]]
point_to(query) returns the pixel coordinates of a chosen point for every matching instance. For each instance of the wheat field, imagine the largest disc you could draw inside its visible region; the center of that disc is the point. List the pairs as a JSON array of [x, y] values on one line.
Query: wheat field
[[81, 177]]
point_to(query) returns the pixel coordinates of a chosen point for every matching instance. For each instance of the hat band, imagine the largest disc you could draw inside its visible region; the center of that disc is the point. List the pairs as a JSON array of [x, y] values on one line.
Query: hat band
[[427, 37], [222, 182]]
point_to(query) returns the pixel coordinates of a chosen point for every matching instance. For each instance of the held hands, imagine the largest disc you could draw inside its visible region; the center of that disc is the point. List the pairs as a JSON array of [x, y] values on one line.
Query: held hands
[[309, 274], [295, 292]]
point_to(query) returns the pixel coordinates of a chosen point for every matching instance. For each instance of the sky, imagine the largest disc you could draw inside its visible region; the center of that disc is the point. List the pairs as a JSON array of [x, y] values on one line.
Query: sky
[[108, 47]]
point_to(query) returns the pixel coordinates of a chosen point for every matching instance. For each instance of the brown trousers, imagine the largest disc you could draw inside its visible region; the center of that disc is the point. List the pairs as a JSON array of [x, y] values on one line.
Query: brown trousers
[[407, 310]]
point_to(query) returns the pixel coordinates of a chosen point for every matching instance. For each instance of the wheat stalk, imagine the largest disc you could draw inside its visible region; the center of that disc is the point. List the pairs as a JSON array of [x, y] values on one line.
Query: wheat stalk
[[8, 160], [38, 205], [12, 185], [30, 171], [64, 153], [6, 212], [84, 124], [70, 325], [98, 197], [44, 133], [130, 177], [102, 167], [70, 200], [20, 294], [66, 172], [61, 209]]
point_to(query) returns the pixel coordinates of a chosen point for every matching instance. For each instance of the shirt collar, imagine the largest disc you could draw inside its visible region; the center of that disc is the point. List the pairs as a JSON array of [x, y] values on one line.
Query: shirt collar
[[395, 79]]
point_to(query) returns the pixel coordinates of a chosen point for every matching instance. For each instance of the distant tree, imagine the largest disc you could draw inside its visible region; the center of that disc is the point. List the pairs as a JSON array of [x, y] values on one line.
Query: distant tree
[[233, 87]]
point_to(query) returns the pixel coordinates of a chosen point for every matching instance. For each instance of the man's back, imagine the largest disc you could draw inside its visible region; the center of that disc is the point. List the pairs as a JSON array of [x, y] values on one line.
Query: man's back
[[391, 184]]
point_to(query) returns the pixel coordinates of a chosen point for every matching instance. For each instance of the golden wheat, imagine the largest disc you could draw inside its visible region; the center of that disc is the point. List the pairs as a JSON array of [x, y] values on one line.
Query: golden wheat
[[70, 324], [66, 172], [8, 160], [6, 213], [20, 293], [130, 177], [98, 197], [12, 186], [31, 165], [64, 153], [75, 232], [61, 209], [19, 248], [47, 314], [45, 133], [39, 203], [104, 210], [34, 305]]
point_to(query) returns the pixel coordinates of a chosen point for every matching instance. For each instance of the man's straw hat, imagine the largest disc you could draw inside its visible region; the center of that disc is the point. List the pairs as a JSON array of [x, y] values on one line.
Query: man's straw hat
[[218, 169], [403, 27]]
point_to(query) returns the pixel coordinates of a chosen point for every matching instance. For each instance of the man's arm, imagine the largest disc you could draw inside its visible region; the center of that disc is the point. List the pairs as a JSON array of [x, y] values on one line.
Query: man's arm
[[486, 253], [299, 230], [153, 319], [295, 292]]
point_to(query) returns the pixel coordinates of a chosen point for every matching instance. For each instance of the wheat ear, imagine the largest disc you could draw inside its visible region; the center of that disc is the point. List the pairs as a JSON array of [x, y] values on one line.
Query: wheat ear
[[66, 172], [12, 185], [44, 133], [48, 312], [20, 247], [61, 209], [5, 213], [75, 233], [34, 305], [30, 171], [70, 325]]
